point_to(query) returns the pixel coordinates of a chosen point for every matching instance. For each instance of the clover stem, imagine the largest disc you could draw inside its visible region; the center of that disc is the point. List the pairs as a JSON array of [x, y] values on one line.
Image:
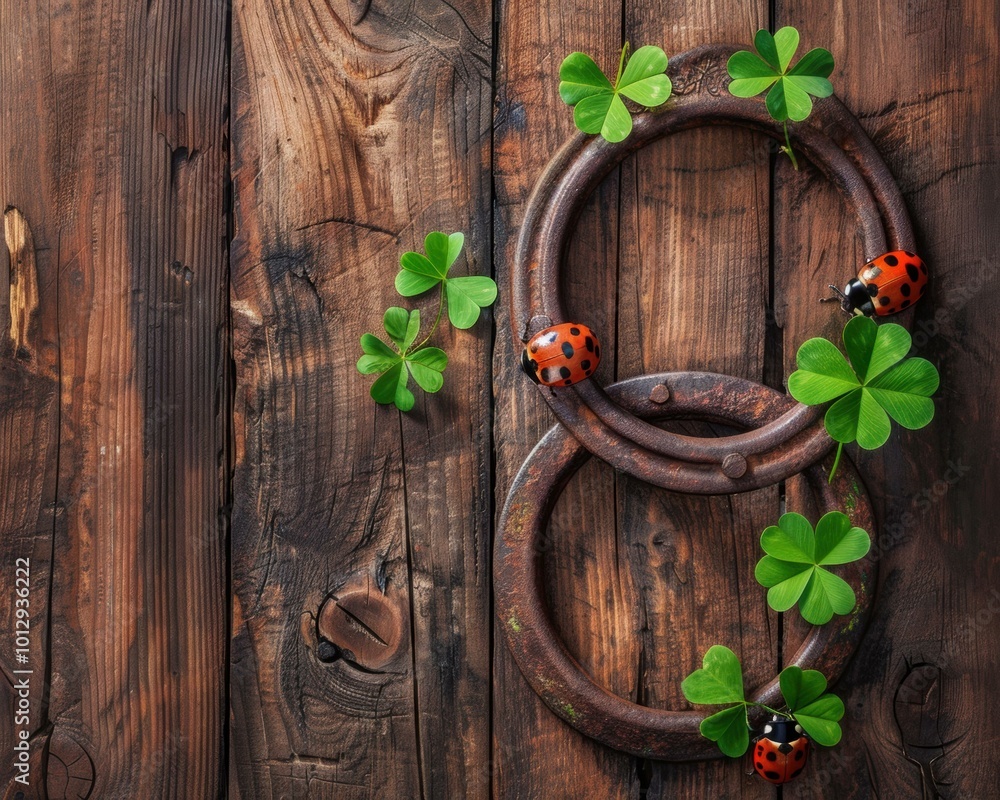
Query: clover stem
[[437, 320], [836, 462], [768, 708], [788, 147], [621, 64]]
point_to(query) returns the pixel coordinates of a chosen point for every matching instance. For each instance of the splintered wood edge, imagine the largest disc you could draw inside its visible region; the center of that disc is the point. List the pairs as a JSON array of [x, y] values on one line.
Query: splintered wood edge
[[23, 276]]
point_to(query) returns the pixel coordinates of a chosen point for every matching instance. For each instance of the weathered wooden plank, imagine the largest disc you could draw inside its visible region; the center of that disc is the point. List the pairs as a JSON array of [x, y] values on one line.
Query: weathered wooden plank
[[356, 131], [609, 574], [29, 422], [536, 754], [921, 703], [114, 155], [693, 292]]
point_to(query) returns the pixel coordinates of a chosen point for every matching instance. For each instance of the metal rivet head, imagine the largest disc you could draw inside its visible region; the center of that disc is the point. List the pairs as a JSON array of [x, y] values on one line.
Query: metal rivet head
[[660, 394], [734, 466], [537, 323]]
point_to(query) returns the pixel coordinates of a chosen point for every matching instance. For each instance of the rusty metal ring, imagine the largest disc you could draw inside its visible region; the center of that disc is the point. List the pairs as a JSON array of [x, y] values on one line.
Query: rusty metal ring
[[520, 606], [832, 139]]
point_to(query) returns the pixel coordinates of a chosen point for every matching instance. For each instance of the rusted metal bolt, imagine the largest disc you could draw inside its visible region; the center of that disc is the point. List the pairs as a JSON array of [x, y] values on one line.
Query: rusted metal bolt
[[734, 466], [660, 394], [363, 626], [537, 323]]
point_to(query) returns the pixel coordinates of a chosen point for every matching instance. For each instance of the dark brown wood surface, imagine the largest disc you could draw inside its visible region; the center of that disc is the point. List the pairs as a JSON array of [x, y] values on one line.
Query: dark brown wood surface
[[115, 385], [249, 581], [919, 688], [356, 131]]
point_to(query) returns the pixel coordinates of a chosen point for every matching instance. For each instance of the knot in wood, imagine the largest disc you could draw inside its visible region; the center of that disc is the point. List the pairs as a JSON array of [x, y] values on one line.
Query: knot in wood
[[363, 626], [69, 770]]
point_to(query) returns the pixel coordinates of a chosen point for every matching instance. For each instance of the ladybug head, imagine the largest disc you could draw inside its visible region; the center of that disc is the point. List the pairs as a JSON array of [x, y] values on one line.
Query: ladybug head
[[529, 365], [783, 732], [855, 298]]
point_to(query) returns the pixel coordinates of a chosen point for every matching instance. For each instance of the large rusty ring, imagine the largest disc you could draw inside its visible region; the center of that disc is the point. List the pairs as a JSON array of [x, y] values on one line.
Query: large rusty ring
[[520, 606], [831, 138]]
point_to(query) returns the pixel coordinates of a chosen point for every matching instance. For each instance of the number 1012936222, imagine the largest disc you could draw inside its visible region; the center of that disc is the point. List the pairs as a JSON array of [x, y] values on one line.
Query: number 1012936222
[[22, 601], [22, 672]]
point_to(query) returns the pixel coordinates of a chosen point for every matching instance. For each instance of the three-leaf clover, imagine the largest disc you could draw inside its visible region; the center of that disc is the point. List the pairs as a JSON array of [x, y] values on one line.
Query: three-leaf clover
[[425, 364], [464, 296], [879, 382], [720, 682], [598, 104], [790, 89], [808, 703], [794, 569]]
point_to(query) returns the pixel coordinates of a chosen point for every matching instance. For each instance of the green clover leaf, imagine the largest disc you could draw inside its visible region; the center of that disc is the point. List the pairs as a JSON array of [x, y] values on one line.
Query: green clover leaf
[[818, 713], [718, 682], [426, 366], [789, 91], [820, 719], [720, 679], [394, 367], [794, 567], [465, 296], [878, 383], [729, 729], [801, 687], [598, 104]]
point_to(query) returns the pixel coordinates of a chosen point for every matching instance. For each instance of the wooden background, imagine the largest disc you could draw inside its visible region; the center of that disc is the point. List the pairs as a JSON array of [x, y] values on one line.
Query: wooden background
[[204, 205]]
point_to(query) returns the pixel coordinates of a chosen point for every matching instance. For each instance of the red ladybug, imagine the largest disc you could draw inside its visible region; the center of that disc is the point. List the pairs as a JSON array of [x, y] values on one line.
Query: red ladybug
[[561, 355], [888, 284], [780, 752]]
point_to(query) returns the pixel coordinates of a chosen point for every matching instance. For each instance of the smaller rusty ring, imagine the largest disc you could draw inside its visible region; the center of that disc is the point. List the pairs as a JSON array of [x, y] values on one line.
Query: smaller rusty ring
[[520, 606], [832, 139]]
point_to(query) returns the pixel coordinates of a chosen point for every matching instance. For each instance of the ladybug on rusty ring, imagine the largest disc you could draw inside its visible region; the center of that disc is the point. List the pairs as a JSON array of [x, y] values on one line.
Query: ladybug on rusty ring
[[780, 752], [890, 283], [561, 355]]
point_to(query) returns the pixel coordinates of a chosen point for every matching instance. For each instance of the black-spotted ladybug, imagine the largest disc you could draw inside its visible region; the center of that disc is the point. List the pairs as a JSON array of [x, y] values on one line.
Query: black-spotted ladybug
[[780, 752]]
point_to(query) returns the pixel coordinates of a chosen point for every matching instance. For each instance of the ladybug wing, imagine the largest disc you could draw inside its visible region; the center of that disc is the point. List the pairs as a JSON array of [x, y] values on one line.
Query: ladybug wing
[[895, 281], [565, 354], [769, 761], [795, 761], [582, 352]]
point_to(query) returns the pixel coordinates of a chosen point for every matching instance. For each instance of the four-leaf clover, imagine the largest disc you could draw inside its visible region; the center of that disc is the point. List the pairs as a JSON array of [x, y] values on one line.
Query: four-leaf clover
[[425, 364], [464, 296], [794, 569], [598, 104], [790, 89], [879, 382]]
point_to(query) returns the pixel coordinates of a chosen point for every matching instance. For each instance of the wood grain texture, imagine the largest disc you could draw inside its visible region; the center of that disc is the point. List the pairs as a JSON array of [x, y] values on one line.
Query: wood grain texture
[[693, 292], [363, 662], [114, 157], [626, 592], [587, 584], [29, 422], [358, 128], [921, 703]]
